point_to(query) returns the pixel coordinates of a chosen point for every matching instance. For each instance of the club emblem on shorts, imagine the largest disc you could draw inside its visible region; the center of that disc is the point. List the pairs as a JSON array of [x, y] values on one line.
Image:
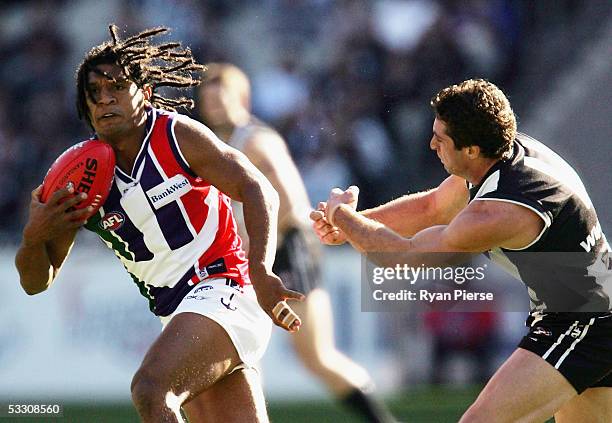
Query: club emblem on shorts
[[112, 221]]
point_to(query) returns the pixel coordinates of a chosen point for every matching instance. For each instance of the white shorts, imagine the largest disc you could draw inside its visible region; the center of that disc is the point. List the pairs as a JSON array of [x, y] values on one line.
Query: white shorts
[[236, 309]]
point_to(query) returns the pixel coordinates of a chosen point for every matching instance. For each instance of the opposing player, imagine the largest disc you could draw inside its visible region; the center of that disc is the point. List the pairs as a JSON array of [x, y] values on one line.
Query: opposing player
[[224, 105], [173, 229], [513, 197]]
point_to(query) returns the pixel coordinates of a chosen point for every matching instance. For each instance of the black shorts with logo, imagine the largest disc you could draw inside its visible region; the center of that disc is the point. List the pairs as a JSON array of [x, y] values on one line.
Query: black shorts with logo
[[579, 345], [297, 261]]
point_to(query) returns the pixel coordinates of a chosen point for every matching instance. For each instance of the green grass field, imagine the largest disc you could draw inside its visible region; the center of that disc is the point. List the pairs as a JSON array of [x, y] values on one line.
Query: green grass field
[[426, 405]]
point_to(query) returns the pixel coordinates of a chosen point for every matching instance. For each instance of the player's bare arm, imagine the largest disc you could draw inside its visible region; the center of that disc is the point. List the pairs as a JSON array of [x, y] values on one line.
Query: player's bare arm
[[232, 173], [406, 215], [481, 226], [47, 238], [412, 213]]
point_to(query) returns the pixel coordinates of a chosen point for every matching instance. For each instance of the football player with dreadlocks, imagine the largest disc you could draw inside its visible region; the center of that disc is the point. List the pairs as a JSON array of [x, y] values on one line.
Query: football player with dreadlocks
[[175, 234]]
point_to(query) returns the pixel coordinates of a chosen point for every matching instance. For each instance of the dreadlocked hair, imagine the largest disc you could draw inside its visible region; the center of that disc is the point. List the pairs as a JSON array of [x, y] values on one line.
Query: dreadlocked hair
[[145, 64]]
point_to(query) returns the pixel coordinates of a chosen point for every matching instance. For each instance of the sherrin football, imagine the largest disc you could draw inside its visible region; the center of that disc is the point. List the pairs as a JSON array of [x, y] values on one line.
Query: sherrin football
[[90, 166]]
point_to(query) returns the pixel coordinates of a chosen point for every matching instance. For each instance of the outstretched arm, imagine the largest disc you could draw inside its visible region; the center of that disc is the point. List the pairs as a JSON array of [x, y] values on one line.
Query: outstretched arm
[[480, 227], [406, 215], [412, 213]]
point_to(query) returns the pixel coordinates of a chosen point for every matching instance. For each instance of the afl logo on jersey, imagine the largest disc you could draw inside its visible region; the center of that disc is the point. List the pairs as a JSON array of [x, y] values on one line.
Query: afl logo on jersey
[[112, 221]]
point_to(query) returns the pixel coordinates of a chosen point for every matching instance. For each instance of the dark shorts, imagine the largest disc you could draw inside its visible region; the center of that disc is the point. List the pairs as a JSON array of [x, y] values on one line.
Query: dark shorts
[[579, 345], [297, 261]]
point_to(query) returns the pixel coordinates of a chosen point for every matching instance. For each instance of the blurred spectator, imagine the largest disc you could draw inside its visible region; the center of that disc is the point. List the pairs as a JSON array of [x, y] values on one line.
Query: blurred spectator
[[288, 95], [348, 82]]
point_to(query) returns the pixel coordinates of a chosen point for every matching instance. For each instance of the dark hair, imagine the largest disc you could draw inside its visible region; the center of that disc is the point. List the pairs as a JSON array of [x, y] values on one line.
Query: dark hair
[[477, 112], [162, 65]]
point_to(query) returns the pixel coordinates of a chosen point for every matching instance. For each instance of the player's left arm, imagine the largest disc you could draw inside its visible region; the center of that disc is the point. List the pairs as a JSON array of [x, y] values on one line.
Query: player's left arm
[[232, 173], [481, 226]]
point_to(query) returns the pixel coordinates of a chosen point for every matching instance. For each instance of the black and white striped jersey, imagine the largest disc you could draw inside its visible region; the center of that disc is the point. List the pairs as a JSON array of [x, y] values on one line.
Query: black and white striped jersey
[[568, 266]]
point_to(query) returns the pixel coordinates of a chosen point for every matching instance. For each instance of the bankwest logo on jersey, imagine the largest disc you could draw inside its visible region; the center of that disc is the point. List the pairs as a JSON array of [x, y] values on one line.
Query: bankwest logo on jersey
[[112, 221], [168, 191]]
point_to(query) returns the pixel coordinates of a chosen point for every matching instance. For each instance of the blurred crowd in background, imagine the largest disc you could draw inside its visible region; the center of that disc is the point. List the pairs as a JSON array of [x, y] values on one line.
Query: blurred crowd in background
[[346, 82]]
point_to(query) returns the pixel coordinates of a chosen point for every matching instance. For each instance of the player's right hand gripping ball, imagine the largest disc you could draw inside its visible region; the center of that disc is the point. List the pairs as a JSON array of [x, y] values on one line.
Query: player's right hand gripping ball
[[90, 166]]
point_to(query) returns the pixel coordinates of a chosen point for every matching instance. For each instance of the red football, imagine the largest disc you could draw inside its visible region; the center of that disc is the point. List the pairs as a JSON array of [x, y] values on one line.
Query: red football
[[90, 166]]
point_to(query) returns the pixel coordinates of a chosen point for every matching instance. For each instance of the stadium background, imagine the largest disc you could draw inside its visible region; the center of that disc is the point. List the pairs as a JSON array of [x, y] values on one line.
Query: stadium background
[[348, 84]]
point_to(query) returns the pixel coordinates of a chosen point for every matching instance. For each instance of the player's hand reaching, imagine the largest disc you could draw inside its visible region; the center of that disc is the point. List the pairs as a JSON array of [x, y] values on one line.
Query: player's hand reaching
[[271, 295], [322, 224], [49, 220], [328, 234]]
